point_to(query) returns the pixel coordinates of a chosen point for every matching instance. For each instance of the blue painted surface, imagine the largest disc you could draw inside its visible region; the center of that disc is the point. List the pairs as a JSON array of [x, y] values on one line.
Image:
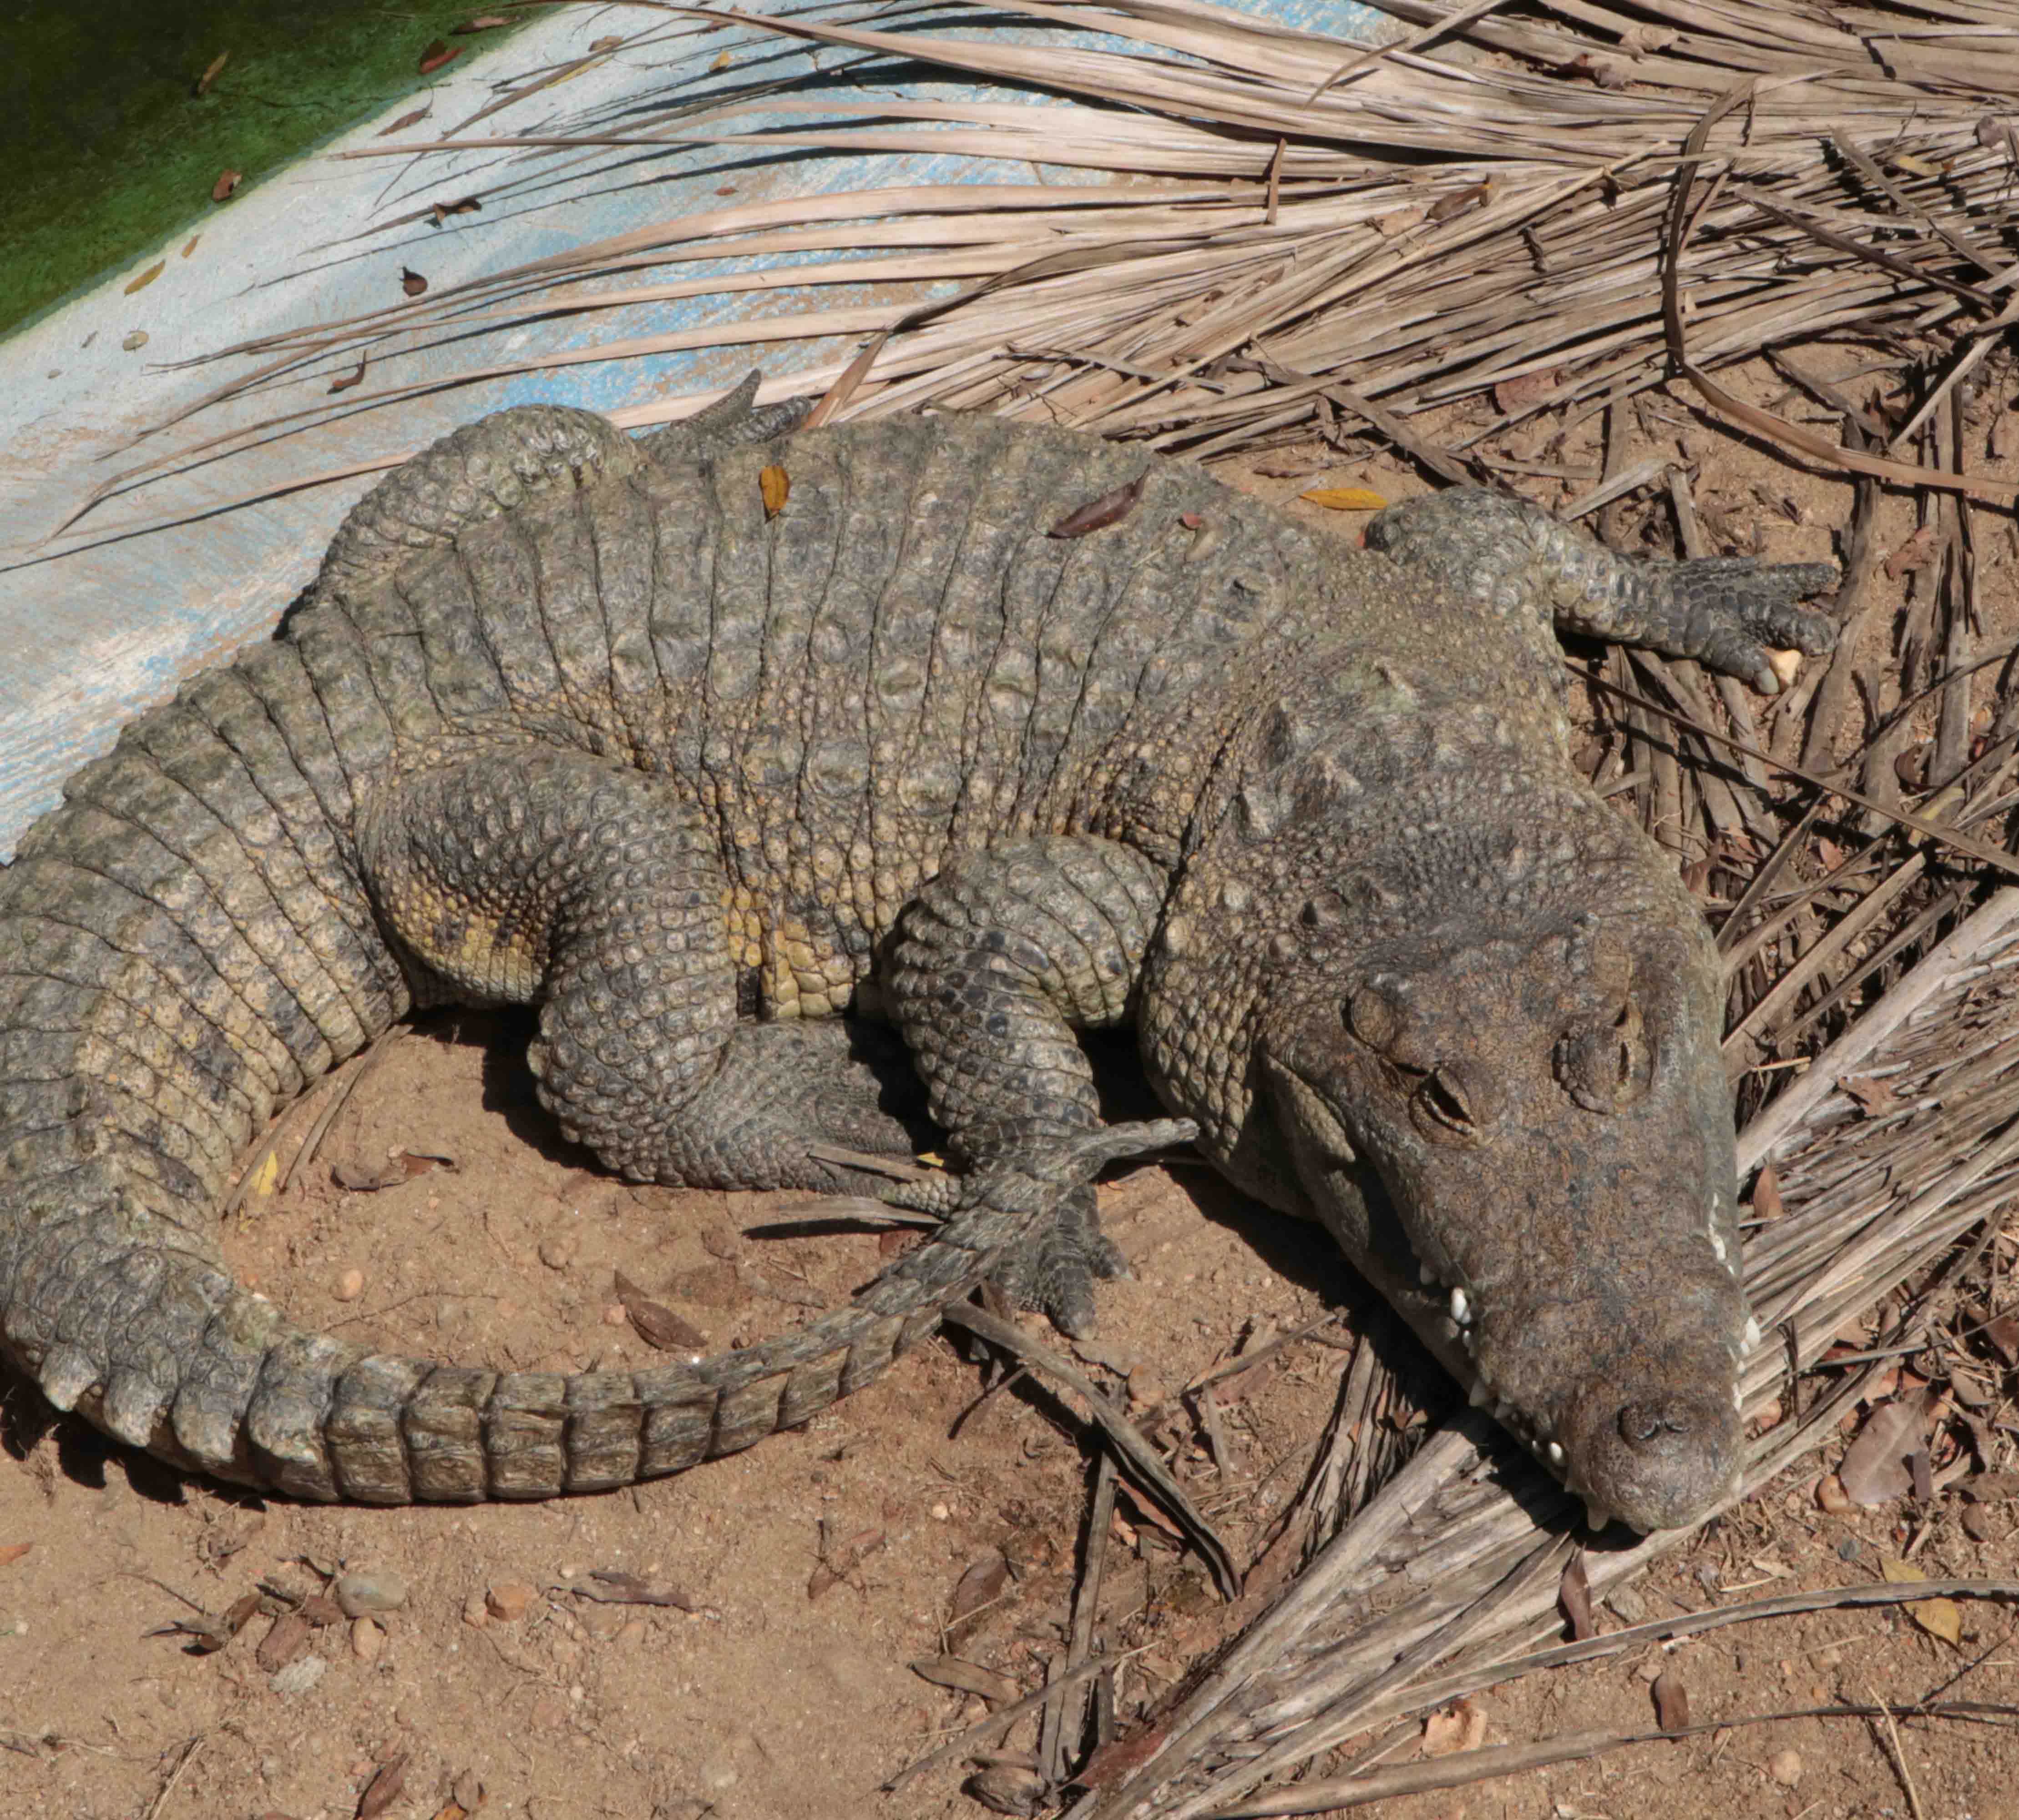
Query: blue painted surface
[[90, 635]]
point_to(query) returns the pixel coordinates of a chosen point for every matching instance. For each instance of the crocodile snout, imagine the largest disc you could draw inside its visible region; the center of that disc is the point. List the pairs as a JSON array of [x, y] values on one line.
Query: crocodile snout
[[1656, 1458]]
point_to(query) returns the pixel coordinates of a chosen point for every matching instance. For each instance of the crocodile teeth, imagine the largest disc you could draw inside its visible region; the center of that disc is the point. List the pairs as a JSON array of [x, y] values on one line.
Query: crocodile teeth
[[1460, 1307], [1596, 1515], [1479, 1395], [1424, 1275], [1717, 1245], [1752, 1332]]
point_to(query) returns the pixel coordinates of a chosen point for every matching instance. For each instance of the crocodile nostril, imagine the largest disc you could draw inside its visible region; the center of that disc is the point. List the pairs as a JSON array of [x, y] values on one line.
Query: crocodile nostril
[[1661, 1425]]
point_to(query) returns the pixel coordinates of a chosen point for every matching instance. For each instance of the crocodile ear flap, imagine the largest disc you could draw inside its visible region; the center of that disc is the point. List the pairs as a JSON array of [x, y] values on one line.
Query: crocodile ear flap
[[1608, 1063]]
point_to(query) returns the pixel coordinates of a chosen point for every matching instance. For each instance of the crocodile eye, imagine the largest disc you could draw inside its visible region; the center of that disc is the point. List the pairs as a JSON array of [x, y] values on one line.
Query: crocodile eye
[[1370, 1016]]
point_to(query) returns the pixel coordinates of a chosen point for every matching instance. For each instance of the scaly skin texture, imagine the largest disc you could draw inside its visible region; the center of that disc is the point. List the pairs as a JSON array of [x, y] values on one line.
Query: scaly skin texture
[[569, 720]]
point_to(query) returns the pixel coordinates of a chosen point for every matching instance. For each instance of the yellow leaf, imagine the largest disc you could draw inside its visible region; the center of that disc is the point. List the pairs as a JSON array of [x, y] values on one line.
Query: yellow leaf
[[721, 61], [1345, 498], [146, 278], [189, 245], [267, 1178], [774, 484], [1941, 1618]]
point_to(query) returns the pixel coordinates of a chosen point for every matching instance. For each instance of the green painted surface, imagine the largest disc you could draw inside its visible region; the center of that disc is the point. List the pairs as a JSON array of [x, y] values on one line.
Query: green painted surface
[[110, 151]]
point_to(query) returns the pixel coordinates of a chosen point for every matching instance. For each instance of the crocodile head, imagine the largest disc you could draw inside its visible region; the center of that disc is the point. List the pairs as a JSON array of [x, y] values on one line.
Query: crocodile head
[[1513, 1117], [1470, 1021]]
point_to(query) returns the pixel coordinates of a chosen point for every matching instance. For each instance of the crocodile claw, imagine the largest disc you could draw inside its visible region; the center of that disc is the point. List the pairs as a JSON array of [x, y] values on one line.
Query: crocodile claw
[[1054, 1270]]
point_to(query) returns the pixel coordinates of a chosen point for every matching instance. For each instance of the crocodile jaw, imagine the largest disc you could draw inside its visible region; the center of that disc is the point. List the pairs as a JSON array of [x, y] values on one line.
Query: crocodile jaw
[[1649, 1432]]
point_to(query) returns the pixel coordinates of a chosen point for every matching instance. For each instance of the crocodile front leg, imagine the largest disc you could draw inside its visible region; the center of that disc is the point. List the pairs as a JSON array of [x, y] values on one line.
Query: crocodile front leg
[[1000, 958], [1505, 555], [527, 877]]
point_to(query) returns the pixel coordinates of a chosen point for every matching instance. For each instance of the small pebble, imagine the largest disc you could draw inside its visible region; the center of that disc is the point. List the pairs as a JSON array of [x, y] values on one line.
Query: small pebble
[[1785, 1768], [558, 1252], [509, 1600], [475, 1613], [299, 1675], [358, 1594], [548, 1713], [367, 1639], [349, 1286]]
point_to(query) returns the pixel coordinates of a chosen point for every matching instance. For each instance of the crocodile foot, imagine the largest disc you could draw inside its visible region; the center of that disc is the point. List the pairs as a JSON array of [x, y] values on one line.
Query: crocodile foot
[[1054, 1268]]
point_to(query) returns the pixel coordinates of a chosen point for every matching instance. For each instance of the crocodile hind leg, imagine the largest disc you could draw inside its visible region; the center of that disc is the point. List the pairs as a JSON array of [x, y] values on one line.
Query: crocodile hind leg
[[1000, 958], [1513, 558], [595, 892]]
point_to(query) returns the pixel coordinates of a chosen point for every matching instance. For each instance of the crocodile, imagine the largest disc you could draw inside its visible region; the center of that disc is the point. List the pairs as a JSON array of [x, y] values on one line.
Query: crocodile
[[729, 747]]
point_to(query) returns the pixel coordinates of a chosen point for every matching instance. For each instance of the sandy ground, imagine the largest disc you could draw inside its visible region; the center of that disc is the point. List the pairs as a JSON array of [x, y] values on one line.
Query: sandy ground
[[806, 1576]]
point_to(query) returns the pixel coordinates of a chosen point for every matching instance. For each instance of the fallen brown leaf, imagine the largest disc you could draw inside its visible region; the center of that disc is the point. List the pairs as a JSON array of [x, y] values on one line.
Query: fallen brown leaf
[[1672, 1702], [1111, 508], [461, 205], [1874, 1096], [1525, 390], [1451, 206], [967, 1677], [1916, 552], [981, 1584], [210, 75], [609, 1587], [1941, 1618], [1114, 1760], [207, 1634], [412, 281], [406, 120], [438, 54], [483, 22], [349, 380], [10, 1552], [654, 1322], [227, 181], [1345, 498], [1766, 1201], [1573, 1594], [775, 485], [384, 1789], [286, 1640], [1875, 1468], [2002, 1331]]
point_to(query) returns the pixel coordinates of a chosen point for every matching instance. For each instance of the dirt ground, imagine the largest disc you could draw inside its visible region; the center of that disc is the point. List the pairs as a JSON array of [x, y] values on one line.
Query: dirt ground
[[800, 1582]]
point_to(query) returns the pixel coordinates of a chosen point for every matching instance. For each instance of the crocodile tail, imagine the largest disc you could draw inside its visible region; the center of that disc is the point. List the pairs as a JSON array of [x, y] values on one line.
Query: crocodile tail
[[185, 946]]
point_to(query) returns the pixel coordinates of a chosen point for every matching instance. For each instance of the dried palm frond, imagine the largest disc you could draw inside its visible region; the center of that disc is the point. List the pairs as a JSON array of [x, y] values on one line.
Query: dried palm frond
[[1423, 227]]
